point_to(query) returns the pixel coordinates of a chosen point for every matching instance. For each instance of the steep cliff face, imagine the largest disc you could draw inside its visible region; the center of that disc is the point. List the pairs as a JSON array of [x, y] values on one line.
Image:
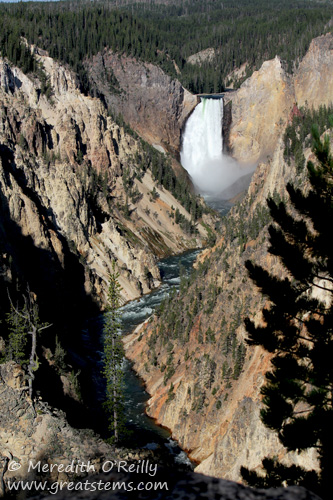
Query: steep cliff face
[[150, 101], [262, 105], [71, 182], [313, 79], [203, 380], [260, 110], [204, 383]]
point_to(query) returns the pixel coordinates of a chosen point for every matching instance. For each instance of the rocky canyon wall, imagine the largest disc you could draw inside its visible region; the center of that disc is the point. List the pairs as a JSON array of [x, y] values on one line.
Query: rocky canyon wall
[[262, 106], [203, 381], [71, 183], [46, 449], [204, 384], [149, 100], [77, 192]]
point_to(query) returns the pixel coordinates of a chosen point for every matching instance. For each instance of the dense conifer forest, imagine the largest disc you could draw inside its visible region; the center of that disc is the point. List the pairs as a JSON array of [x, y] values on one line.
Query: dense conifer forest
[[167, 33]]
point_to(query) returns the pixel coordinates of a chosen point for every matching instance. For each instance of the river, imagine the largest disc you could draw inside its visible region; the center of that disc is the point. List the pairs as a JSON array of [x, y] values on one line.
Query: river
[[148, 434], [145, 433]]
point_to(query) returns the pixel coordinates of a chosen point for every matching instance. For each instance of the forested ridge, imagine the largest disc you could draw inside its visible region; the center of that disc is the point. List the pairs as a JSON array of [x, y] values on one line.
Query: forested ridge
[[167, 34]]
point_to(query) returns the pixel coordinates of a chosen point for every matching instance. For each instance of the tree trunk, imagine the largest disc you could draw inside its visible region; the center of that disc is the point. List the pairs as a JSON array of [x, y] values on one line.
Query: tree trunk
[[115, 413], [32, 363]]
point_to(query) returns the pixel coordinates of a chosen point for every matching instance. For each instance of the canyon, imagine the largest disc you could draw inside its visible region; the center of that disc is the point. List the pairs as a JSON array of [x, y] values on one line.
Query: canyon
[[203, 381], [64, 165], [78, 191]]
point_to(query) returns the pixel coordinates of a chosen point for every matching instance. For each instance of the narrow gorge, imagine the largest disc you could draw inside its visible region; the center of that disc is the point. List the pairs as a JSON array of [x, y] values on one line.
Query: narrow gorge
[[77, 192], [141, 142], [205, 385]]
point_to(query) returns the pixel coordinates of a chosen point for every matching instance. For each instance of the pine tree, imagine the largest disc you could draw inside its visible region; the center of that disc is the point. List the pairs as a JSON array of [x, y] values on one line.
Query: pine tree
[[16, 348], [113, 360], [298, 329], [22, 323]]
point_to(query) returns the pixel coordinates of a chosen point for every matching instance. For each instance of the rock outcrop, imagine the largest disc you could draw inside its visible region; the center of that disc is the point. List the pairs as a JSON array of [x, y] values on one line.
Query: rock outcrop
[[260, 110], [262, 106], [149, 100], [313, 78], [206, 55], [45, 438], [38, 444]]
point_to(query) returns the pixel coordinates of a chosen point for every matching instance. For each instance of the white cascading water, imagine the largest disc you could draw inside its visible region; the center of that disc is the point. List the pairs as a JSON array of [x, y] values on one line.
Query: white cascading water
[[202, 145]]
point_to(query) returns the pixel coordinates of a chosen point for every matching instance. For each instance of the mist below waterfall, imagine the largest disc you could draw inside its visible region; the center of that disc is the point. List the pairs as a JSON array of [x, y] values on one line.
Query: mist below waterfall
[[201, 155]]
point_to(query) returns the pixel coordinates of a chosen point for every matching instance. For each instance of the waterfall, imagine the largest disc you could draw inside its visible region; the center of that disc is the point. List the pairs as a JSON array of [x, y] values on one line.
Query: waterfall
[[201, 154]]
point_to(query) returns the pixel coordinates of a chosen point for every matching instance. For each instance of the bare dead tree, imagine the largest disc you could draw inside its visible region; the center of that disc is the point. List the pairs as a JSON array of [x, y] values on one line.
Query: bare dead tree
[[31, 316]]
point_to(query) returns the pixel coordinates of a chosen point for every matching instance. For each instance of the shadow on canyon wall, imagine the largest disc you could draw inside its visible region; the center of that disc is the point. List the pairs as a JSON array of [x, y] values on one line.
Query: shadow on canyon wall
[[61, 296]]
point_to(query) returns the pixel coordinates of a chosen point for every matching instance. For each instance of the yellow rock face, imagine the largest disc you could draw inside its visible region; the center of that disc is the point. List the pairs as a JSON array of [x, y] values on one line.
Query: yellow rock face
[[262, 105], [260, 109], [314, 78]]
